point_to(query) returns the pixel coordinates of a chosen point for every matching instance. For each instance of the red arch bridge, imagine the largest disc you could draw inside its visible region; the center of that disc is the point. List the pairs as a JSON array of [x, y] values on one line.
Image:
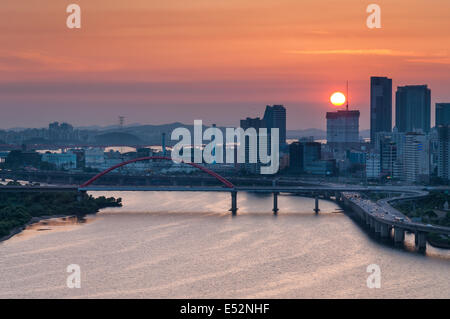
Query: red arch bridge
[[227, 186]]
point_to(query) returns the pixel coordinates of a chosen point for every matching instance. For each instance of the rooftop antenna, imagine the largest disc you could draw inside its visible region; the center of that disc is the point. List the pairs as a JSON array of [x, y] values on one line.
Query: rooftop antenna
[[347, 96], [121, 123]]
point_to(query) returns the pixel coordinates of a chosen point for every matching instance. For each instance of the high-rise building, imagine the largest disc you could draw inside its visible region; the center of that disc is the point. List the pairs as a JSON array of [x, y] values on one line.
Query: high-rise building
[[443, 170], [311, 152], [343, 127], [296, 157], [433, 138], [388, 155], [380, 106], [412, 108], [442, 114], [416, 158], [275, 117], [252, 152], [61, 132], [373, 168]]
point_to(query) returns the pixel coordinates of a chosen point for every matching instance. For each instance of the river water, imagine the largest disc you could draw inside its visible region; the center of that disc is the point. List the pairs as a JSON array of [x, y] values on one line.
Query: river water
[[186, 245]]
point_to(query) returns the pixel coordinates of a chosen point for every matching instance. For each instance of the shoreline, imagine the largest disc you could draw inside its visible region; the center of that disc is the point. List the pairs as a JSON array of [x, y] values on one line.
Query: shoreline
[[22, 211], [32, 221]]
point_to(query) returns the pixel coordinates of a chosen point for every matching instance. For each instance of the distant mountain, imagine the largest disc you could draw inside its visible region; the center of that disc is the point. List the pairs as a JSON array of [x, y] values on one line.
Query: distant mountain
[[152, 134], [134, 134], [118, 138], [318, 134], [105, 128]]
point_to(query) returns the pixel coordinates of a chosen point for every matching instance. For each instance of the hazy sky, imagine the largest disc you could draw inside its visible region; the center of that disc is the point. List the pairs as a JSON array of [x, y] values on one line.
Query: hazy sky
[[216, 60]]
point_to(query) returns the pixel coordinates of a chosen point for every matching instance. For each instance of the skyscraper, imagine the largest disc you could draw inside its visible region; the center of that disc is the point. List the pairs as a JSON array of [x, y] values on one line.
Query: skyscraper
[[413, 108], [388, 155], [442, 114], [275, 117], [312, 152], [380, 106], [443, 170], [252, 152], [296, 162], [373, 168], [343, 128], [416, 158]]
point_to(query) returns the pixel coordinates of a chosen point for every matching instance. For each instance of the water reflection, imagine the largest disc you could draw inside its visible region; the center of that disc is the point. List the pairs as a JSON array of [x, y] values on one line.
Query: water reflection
[[58, 224], [187, 245]]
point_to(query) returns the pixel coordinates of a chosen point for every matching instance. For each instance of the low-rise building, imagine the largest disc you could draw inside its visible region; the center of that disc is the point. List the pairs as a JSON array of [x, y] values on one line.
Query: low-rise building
[[94, 158], [61, 160]]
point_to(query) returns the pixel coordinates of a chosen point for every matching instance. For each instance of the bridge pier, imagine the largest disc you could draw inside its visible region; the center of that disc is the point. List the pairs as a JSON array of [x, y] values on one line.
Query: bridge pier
[[421, 241], [233, 208], [337, 195], [377, 227], [372, 224], [316, 204], [399, 235], [384, 231], [275, 203]]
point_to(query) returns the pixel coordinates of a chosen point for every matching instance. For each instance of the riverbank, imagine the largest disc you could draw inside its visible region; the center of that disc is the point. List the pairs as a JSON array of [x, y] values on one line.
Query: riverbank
[[32, 221], [19, 210]]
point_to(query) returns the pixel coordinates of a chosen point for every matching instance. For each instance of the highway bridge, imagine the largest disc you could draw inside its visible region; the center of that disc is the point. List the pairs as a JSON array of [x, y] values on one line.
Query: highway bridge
[[383, 219], [325, 192]]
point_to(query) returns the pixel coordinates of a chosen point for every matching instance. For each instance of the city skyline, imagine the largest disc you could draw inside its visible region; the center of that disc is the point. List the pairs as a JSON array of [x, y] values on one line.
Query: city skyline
[[170, 59], [376, 126], [378, 115]]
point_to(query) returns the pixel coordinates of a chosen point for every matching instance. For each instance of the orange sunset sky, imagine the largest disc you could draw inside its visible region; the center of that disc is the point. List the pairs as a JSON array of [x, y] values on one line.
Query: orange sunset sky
[[215, 60]]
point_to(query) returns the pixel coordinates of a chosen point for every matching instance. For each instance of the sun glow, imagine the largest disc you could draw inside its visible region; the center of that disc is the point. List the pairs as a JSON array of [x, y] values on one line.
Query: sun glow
[[337, 98]]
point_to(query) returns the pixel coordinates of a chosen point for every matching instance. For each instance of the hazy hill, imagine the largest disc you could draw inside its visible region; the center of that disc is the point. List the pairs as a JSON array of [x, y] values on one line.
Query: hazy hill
[[118, 138]]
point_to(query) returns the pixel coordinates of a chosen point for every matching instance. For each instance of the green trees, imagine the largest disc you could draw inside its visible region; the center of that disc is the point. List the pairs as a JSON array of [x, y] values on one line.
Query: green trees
[[16, 209], [11, 217]]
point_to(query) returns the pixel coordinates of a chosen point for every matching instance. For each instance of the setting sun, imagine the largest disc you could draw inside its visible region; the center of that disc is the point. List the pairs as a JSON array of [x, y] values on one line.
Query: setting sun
[[337, 98]]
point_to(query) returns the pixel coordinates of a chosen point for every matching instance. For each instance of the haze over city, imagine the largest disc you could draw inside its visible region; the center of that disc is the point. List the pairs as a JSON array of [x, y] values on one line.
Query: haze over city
[[160, 62]]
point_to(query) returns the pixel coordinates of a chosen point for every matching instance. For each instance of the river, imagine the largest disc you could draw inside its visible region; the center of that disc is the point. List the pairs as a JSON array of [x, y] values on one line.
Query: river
[[186, 245]]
